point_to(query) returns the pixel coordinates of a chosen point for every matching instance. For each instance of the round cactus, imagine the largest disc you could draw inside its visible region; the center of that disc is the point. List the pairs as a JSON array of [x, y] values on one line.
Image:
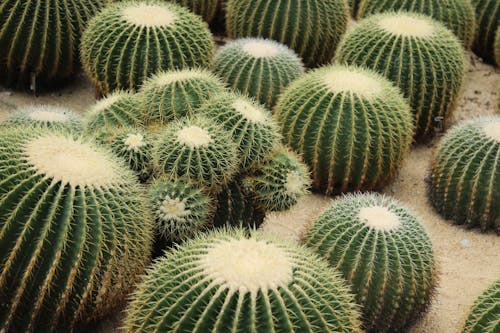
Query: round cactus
[[74, 231], [465, 175], [45, 116], [383, 252], [280, 181], [456, 15], [198, 150], [260, 68], [251, 126], [488, 21], [119, 109], [228, 282], [40, 39], [205, 8], [129, 41], [423, 58], [180, 209], [352, 127], [484, 316], [172, 95], [312, 29]]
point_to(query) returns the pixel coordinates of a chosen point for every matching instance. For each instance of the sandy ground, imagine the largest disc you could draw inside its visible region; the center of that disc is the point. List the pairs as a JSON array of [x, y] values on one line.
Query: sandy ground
[[469, 261]]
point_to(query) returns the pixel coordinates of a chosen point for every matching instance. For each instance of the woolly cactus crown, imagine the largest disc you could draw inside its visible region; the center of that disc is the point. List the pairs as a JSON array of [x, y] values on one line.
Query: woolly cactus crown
[[45, 116]]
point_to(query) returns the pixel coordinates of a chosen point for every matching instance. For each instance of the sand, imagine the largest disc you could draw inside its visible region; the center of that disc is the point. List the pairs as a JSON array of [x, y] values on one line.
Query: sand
[[468, 260]]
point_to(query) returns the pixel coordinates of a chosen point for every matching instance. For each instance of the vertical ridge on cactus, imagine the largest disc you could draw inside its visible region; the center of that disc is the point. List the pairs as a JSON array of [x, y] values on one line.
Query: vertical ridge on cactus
[[45, 116], [383, 252], [205, 8], [488, 21], [484, 316], [312, 29], [227, 281], [465, 175]]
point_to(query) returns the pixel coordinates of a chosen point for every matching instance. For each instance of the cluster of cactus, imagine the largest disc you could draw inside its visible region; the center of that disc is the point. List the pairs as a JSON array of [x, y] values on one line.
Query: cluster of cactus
[[312, 29], [45, 116], [259, 68], [351, 125], [227, 281], [383, 252], [465, 175], [205, 8], [488, 21], [423, 58], [74, 230], [127, 42], [40, 40], [484, 316]]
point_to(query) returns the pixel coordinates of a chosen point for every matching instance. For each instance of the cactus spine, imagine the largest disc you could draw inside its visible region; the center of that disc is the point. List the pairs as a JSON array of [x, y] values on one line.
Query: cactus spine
[[484, 316], [488, 21], [45, 116]]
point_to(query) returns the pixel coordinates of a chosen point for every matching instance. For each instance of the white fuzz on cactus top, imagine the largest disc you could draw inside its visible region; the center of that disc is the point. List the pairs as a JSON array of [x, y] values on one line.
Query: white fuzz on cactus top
[[379, 218], [261, 48], [173, 209], [403, 25], [353, 82], [250, 112], [47, 113], [247, 265], [194, 137], [177, 76], [294, 183], [492, 130], [134, 142], [106, 103], [71, 162], [146, 15]]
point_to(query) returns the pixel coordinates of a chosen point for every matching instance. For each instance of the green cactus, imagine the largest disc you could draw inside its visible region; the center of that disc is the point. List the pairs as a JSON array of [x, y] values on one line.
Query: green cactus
[[465, 175], [119, 109], [129, 41], [383, 252], [40, 39], [354, 6], [198, 150], [484, 316], [205, 8], [172, 95], [497, 47], [456, 15], [488, 21], [74, 231], [229, 282], [251, 126], [312, 29], [352, 127], [259, 68], [180, 209], [45, 116], [423, 58]]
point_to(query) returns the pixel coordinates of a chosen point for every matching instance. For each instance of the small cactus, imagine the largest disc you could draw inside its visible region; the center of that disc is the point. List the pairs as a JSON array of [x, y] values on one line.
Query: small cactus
[[198, 150], [127, 42], [228, 282], [351, 126], [423, 58], [484, 316], [465, 175], [488, 21], [171, 95], [45, 116], [313, 28], [383, 252], [205, 8], [259, 68]]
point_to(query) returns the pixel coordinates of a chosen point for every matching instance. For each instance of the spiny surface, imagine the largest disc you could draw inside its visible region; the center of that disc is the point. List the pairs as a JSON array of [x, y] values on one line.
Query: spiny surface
[[488, 21], [45, 116], [484, 316]]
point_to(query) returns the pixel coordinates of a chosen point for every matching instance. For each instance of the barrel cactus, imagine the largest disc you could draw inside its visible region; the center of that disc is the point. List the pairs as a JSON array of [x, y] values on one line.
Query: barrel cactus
[[129, 41], [351, 126], [488, 21], [465, 175], [40, 39], [260, 68], [312, 29], [74, 230], [251, 126], [198, 150], [205, 8], [456, 15], [45, 116], [423, 58], [484, 316], [228, 282], [172, 95], [383, 252]]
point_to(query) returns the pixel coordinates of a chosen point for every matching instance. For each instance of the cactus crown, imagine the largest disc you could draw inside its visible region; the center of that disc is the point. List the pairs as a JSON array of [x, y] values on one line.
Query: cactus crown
[[356, 82], [149, 15], [249, 111], [262, 48], [134, 141], [45, 116], [492, 130], [168, 77], [47, 113], [408, 26], [194, 137], [379, 218]]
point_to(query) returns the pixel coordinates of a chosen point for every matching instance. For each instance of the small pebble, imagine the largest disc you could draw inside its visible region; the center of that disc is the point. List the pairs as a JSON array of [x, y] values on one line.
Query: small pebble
[[465, 243]]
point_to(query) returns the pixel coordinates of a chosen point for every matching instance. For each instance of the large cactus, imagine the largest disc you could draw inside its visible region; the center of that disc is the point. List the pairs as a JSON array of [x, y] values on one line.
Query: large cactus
[[129, 41], [484, 316], [74, 231], [352, 127], [45, 116], [311, 28], [465, 176], [226, 282], [40, 39], [488, 21], [383, 252], [423, 58]]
